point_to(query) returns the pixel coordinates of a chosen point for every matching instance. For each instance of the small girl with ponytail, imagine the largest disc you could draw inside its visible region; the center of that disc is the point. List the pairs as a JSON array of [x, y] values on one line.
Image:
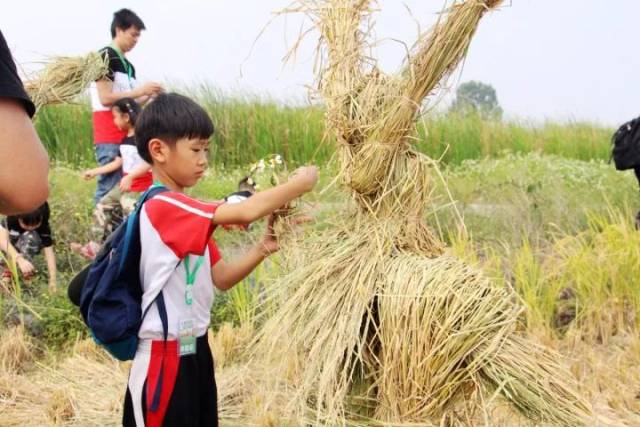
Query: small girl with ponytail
[[137, 177]]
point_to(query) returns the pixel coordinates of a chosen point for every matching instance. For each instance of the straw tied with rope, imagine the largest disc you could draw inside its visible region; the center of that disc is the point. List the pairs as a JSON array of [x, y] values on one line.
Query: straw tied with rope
[[376, 320]]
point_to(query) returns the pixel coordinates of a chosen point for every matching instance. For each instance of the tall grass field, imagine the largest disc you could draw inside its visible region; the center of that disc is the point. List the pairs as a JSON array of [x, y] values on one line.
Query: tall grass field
[[250, 128]]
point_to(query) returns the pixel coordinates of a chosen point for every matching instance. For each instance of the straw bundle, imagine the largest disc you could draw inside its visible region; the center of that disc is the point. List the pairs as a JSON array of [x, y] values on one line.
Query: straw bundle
[[377, 322], [65, 77], [16, 349], [87, 389], [61, 407]]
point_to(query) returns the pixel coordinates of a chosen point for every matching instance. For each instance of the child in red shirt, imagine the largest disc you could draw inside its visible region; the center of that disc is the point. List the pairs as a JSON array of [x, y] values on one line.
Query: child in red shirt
[[172, 383]]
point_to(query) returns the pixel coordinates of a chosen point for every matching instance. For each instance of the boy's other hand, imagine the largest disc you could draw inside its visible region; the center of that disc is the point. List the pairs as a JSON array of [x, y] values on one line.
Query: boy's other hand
[[125, 184], [270, 239], [306, 176], [88, 174]]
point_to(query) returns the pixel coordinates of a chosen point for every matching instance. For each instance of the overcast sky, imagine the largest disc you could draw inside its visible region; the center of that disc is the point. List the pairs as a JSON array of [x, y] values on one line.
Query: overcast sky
[[547, 59]]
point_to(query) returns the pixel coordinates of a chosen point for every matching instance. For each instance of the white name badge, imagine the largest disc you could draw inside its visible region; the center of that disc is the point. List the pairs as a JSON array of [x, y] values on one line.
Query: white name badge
[[186, 337]]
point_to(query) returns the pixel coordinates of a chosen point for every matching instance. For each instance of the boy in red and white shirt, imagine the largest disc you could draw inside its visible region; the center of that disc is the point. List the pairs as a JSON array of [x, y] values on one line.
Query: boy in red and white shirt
[[172, 382]]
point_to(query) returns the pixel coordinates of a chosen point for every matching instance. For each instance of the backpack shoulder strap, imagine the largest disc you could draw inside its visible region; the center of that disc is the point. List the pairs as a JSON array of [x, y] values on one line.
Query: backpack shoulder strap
[[150, 193], [133, 219]]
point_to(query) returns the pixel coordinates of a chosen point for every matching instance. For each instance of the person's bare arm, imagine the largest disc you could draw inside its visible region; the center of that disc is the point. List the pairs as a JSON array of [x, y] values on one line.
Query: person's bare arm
[[142, 100], [140, 170], [25, 164], [12, 254], [265, 202], [112, 166], [227, 275], [5, 244], [50, 258], [108, 96], [127, 180]]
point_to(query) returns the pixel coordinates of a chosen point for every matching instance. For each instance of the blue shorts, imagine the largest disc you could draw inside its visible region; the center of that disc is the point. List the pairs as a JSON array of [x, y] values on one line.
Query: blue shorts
[[106, 153]]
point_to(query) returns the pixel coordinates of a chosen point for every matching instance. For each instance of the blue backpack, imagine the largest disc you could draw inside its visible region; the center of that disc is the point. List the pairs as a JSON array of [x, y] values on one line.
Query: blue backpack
[[111, 295]]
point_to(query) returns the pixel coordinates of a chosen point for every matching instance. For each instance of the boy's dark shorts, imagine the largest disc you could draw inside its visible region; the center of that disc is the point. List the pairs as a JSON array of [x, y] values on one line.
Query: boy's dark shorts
[[188, 396]]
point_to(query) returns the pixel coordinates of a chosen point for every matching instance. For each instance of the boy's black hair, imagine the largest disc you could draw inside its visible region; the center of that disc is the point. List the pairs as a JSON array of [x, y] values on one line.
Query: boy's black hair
[[171, 117], [33, 218], [125, 19], [128, 106]]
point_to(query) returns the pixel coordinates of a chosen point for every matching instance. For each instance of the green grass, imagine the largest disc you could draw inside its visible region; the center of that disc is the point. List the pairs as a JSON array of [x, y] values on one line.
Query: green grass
[[541, 223], [456, 138], [504, 199], [251, 127]]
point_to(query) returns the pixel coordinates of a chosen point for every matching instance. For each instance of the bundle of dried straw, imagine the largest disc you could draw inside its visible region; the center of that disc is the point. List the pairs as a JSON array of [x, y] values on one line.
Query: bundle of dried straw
[[63, 78], [377, 322]]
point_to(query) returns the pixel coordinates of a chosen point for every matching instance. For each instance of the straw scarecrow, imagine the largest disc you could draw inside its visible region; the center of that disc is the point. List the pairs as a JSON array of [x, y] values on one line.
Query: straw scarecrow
[[63, 78], [377, 322]]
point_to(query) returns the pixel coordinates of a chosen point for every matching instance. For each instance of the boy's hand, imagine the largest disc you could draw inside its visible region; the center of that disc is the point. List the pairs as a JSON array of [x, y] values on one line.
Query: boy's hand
[[270, 242], [26, 268], [270, 239], [306, 177], [125, 183], [89, 174]]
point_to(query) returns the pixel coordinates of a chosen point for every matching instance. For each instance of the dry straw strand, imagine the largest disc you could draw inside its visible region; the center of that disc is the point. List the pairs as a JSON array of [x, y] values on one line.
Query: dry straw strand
[[63, 78]]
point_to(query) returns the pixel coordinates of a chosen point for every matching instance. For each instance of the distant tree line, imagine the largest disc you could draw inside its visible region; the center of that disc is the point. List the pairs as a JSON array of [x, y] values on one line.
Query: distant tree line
[[477, 98]]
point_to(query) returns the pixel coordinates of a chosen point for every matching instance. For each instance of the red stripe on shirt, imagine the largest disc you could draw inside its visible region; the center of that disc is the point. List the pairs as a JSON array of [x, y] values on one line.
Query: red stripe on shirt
[[104, 130], [183, 231]]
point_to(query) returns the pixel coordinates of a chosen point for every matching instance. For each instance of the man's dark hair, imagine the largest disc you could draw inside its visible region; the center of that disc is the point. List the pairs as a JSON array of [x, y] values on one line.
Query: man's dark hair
[[34, 218], [125, 19], [171, 117], [128, 106]]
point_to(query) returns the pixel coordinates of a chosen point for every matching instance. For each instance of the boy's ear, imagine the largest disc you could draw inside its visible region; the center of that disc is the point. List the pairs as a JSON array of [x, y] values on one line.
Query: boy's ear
[[158, 150]]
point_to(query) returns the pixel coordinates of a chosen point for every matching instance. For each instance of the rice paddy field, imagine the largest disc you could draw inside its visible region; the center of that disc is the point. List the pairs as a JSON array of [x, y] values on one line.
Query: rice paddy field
[[537, 208]]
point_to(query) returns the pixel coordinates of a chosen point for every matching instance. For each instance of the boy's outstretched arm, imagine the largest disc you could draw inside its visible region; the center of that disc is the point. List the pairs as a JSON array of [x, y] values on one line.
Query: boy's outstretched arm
[[227, 275], [265, 202]]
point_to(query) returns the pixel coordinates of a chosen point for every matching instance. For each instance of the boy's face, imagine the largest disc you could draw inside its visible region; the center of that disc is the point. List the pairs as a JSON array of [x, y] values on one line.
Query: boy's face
[[127, 39], [187, 161]]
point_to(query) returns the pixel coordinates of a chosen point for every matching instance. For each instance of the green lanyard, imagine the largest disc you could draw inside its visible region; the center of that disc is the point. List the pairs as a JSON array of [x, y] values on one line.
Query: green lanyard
[[191, 278], [125, 64]]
